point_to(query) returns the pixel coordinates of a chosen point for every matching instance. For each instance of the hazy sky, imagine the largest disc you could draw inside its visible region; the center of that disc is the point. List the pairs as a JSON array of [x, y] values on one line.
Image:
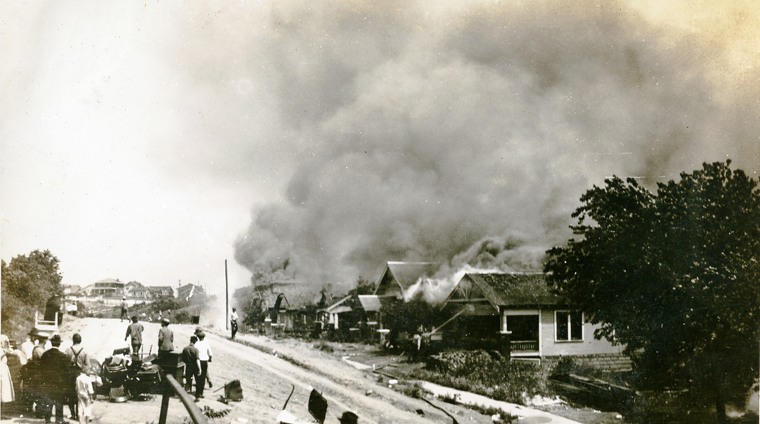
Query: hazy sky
[[315, 141]]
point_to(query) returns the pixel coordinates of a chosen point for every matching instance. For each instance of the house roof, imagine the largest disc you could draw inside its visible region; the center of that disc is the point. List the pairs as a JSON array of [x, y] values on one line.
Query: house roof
[[340, 309], [338, 305], [372, 303], [109, 281], [405, 274], [514, 290], [160, 288], [297, 295]]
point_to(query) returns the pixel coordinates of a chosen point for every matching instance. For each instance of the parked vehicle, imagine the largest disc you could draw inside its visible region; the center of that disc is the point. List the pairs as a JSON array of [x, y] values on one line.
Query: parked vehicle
[[126, 376]]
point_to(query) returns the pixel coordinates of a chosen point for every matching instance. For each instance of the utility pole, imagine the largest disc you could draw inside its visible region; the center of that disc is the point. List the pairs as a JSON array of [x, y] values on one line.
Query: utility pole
[[227, 298]]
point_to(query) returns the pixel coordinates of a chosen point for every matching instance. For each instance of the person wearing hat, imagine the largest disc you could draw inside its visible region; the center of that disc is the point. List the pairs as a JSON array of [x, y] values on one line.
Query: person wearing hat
[[192, 368], [348, 417], [124, 309], [204, 355], [134, 332], [55, 368], [165, 338]]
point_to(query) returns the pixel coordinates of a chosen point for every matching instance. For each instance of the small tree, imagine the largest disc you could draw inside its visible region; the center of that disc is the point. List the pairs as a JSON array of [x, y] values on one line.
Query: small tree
[[675, 276], [28, 282], [400, 317]]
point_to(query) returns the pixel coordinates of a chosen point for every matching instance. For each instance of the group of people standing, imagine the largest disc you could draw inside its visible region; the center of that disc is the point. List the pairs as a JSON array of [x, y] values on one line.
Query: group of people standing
[[53, 378]]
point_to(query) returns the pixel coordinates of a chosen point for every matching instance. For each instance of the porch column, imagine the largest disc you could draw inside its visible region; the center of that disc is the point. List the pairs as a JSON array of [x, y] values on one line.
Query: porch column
[[505, 344], [268, 327]]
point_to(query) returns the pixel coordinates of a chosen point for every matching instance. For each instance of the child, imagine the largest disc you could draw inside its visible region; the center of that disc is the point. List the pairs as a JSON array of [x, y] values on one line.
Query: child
[[84, 396]]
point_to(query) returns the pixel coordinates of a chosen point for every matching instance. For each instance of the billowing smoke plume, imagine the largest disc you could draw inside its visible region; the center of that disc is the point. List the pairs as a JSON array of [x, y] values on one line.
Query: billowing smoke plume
[[467, 134]]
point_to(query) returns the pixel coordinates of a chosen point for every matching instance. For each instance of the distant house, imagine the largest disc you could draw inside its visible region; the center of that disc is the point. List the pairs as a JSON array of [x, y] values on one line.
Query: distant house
[[105, 288], [157, 292], [136, 290], [278, 312], [371, 305], [284, 317], [333, 312], [541, 325], [349, 319], [71, 289], [399, 278]]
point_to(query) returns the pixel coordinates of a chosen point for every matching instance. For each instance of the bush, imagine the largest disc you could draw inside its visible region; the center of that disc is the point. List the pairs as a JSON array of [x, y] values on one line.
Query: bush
[[413, 391], [324, 347], [181, 316], [478, 372]]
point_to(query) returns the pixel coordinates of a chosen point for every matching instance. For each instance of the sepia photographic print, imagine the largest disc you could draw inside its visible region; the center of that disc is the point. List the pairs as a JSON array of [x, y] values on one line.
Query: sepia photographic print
[[380, 212]]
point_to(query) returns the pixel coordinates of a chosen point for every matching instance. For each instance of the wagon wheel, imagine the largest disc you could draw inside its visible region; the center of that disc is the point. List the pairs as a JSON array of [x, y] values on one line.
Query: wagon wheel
[[98, 369]]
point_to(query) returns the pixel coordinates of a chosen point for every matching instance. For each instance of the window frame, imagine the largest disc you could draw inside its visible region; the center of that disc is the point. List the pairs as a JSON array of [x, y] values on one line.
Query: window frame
[[569, 326]]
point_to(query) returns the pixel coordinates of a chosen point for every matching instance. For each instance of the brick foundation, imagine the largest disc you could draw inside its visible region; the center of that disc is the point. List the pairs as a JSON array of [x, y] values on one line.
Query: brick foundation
[[611, 362]]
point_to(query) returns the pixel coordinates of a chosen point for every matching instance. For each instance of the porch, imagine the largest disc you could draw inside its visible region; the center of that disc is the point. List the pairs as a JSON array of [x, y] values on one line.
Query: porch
[[525, 330]]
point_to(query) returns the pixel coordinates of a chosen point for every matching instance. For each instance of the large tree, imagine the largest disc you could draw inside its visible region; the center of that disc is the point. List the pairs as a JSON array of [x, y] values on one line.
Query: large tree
[[674, 275], [28, 281]]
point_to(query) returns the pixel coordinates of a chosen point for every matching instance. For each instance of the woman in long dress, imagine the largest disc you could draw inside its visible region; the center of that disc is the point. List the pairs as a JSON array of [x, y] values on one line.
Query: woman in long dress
[[6, 383]]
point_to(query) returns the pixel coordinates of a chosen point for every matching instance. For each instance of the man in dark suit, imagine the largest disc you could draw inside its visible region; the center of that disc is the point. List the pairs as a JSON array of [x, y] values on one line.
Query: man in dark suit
[[56, 368]]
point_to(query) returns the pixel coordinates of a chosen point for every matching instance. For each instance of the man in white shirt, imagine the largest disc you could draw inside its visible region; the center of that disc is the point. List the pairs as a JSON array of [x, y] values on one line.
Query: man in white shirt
[[234, 322], [204, 355], [27, 347]]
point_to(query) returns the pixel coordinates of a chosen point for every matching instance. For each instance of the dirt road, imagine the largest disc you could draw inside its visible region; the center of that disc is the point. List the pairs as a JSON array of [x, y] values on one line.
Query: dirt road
[[267, 373]]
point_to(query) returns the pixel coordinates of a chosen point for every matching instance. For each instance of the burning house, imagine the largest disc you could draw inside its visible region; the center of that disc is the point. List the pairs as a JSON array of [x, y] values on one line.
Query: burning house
[[520, 306], [400, 278]]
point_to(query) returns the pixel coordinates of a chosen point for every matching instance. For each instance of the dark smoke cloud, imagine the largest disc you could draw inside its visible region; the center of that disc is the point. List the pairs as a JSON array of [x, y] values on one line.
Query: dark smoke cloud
[[468, 134]]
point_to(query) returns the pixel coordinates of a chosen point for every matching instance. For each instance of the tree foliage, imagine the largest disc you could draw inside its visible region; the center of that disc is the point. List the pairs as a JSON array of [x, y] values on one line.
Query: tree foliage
[[28, 281], [363, 286], [408, 316], [674, 275]]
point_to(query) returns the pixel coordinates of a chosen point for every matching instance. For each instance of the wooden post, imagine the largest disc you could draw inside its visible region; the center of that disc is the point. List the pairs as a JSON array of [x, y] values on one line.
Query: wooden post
[[165, 404], [172, 386]]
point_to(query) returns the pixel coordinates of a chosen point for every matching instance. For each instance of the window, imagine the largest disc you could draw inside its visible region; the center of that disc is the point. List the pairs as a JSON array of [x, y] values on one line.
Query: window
[[569, 326]]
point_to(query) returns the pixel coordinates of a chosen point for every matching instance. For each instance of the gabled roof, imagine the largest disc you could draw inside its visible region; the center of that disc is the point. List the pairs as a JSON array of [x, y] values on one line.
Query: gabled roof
[[405, 274], [334, 308], [507, 290], [372, 303]]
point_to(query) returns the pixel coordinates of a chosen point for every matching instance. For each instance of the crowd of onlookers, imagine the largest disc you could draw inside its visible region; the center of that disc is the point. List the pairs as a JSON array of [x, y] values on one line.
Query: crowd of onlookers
[[43, 378]]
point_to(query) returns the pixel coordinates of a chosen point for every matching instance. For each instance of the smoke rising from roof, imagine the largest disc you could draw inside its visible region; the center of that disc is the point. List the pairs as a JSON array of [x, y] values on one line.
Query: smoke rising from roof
[[435, 290], [466, 134]]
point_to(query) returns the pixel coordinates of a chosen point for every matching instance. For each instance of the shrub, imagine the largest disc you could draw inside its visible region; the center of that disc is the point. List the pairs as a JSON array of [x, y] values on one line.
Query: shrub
[[478, 372], [414, 390]]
